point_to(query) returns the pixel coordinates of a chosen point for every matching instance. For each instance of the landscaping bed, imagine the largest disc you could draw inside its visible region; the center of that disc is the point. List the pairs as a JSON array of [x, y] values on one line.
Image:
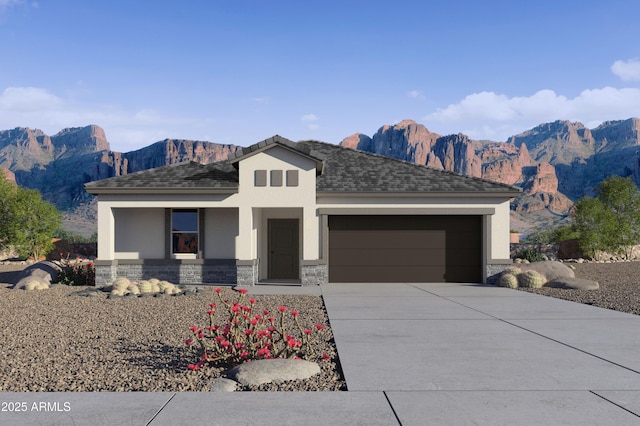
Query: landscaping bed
[[619, 286], [52, 341]]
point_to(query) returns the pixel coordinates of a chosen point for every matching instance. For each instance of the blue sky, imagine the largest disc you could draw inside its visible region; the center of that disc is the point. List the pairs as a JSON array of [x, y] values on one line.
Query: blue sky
[[241, 71]]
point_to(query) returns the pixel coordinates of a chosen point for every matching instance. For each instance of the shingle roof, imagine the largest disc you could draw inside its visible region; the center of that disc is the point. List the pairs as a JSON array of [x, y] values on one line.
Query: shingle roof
[[348, 170], [344, 171], [218, 175]]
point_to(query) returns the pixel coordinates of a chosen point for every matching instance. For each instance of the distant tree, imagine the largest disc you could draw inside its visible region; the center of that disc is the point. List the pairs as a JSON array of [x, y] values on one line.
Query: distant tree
[[622, 198], [27, 222], [610, 222], [593, 223]]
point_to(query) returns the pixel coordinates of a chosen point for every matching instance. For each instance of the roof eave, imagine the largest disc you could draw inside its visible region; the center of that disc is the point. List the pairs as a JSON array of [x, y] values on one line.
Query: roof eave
[[142, 191], [413, 194]]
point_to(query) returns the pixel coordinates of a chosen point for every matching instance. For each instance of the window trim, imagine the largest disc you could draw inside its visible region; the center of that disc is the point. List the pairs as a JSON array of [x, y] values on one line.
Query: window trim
[[185, 255]]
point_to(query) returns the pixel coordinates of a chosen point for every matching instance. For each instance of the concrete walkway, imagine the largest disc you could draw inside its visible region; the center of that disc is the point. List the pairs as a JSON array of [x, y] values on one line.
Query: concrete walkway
[[417, 354]]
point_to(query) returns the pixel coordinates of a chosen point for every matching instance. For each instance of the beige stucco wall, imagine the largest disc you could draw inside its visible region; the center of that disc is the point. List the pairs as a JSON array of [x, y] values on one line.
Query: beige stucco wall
[[139, 233], [221, 231], [299, 200]]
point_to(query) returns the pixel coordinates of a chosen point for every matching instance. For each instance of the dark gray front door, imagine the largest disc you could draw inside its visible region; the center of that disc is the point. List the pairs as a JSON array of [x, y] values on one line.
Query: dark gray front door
[[284, 257]]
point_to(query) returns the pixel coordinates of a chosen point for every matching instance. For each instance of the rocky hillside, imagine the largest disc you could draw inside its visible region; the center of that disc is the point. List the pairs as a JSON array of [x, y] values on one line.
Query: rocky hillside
[[555, 163]]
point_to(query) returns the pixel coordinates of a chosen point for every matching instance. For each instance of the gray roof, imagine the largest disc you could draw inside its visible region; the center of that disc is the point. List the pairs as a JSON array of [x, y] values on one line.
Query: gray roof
[[343, 170], [181, 176]]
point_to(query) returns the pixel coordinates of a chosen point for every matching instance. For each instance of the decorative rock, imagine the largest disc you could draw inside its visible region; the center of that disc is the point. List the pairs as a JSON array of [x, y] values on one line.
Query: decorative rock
[[573, 284], [32, 283], [223, 385], [273, 370], [550, 269]]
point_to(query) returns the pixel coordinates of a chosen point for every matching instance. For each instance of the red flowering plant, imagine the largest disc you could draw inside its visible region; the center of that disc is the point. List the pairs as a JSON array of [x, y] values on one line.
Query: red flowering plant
[[76, 271], [250, 334]]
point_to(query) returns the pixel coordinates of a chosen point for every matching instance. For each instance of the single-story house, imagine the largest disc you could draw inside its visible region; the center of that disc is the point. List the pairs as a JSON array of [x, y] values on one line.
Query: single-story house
[[303, 212]]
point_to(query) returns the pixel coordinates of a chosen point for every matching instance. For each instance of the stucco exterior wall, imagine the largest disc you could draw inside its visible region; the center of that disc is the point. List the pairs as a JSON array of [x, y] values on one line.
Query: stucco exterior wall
[[221, 230], [254, 199], [139, 233]]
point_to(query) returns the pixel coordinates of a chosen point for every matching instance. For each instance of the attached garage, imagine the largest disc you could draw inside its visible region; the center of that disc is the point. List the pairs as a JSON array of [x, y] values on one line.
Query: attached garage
[[396, 248]]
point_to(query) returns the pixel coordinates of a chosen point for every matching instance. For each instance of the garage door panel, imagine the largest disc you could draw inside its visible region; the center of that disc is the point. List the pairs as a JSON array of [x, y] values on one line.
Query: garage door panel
[[383, 257], [387, 239], [405, 248], [382, 274]]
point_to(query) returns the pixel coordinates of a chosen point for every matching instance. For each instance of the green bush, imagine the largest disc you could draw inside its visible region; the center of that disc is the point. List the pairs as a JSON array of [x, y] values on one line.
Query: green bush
[[530, 254]]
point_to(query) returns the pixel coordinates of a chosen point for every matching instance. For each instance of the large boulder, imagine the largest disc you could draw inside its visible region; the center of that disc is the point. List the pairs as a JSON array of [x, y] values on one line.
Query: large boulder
[[273, 370], [549, 268], [573, 284], [38, 276]]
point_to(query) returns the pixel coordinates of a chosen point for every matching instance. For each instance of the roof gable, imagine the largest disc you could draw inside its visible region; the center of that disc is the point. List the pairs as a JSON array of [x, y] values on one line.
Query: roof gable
[[272, 142]]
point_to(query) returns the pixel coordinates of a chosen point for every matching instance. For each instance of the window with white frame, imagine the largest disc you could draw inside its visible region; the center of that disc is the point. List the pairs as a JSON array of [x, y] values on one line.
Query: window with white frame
[[184, 231]]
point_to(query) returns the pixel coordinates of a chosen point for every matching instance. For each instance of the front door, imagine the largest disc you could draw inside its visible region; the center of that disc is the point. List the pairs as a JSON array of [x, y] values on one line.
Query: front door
[[284, 257]]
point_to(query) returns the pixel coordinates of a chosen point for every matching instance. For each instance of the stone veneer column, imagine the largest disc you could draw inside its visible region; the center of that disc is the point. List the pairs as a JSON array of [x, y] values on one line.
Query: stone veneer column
[[106, 272], [314, 274], [247, 272]]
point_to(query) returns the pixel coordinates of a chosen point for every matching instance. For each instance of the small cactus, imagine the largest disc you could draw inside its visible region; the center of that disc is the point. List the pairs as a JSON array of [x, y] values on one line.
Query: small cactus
[[133, 289], [531, 279], [513, 270], [121, 284], [508, 280]]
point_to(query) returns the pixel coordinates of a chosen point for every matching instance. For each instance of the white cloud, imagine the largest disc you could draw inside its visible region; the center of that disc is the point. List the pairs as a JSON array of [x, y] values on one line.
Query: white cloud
[[261, 99], [627, 70], [126, 129], [415, 94], [488, 115], [310, 120]]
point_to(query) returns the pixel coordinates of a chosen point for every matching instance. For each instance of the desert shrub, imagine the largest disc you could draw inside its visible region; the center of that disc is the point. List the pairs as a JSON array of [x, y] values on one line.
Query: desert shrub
[[530, 254], [76, 272]]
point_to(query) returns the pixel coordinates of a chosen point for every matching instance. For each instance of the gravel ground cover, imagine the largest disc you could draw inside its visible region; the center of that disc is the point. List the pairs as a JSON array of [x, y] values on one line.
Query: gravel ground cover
[[619, 286], [52, 341]]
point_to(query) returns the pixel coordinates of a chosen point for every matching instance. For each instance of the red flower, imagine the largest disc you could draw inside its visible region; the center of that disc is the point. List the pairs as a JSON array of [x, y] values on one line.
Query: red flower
[[319, 326], [194, 367], [188, 342], [218, 290], [210, 312], [243, 291], [307, 331], [294, 313], [194, 328], [282, 308], [200, 334], [212, 305], [252, 300], [326, 357]]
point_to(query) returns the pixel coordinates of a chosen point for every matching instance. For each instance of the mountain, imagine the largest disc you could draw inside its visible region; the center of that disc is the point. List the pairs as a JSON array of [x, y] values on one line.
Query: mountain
[[554, 163]]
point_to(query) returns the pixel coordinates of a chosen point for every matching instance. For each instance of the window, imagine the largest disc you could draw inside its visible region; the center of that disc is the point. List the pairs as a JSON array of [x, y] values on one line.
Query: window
[[184, 230], [276, 177], [292, 178], [260, 178]]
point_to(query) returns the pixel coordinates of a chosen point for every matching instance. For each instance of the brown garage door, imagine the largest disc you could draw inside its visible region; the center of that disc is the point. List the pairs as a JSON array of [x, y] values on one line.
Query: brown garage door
[[405, 248]]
